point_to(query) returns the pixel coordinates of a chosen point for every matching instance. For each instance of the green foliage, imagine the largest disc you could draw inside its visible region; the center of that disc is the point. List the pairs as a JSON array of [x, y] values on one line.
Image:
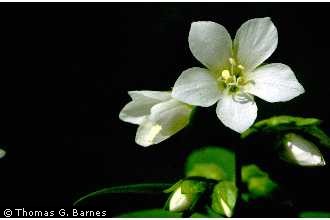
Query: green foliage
[[135, 188], [212, 163], [319, 134], [285, 123], [280, 123], [251, 171], [198, 215], [151, 213], [212, 214], [173, 187], [258, 182], [224, 198], [193, 186], [314, 214], [261, 186]]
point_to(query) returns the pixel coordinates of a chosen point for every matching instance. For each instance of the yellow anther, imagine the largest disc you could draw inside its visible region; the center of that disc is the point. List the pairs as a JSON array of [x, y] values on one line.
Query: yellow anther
[[225, 74], [232, 61], [241, 67]]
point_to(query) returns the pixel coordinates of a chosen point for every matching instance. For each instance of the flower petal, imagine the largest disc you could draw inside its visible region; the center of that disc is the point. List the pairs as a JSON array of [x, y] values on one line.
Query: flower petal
[[274, 82], [237, 112], [166, 119], [255, 41], [210, 43], [139, 108], [196, 86], [157, 95]]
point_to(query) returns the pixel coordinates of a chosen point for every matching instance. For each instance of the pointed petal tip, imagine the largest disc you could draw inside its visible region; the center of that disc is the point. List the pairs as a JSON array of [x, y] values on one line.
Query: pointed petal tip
[[142, 144], [323, 163]]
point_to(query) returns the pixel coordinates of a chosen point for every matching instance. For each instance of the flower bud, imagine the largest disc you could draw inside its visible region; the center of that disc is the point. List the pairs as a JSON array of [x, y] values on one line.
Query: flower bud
[[224, 198], [180, 202], [2, 153], [297, 150]]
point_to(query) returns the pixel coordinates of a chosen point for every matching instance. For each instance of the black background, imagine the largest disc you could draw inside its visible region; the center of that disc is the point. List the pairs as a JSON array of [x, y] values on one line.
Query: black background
[[65, 70]]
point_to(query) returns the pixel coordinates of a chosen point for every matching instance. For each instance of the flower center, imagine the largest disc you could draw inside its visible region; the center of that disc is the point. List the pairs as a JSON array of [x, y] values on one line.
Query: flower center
[[232, 78]]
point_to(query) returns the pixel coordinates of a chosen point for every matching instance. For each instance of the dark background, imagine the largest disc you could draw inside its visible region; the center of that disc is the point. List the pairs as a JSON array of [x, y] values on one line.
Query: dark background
[[65, 70]]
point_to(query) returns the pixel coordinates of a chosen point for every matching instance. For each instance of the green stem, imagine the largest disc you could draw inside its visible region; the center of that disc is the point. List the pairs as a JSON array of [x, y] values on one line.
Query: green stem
[[239, 183]]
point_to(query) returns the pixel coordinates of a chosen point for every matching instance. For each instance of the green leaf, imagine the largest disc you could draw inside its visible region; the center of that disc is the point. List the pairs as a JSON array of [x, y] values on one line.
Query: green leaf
[[319, 134], [280, 123], [258, 182], [211, 213], [193, 186], [284, 123], [261, 187], [250, 171], [173, 187], [224, 198], [145, 188], [150, 213], [212, 163], [198, 215], [314, 214]]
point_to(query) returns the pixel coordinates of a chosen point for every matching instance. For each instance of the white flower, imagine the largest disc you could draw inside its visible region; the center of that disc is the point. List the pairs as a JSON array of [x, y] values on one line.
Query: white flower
[[234, 75], [158, 115]]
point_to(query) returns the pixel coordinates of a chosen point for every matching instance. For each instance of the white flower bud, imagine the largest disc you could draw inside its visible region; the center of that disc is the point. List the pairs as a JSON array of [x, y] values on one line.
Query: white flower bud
[[298, 150], [2, 153], [180, 202]]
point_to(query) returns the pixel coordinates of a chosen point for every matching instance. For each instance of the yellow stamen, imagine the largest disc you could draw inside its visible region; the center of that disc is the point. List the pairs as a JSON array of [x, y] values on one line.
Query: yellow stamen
[[232, 61], [241, 67], [225, 74]]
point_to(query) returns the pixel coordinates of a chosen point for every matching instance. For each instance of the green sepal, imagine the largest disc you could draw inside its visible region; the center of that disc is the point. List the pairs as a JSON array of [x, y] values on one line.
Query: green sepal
[[145, 188], [224, 198], [211, 213], [211, 163], [193, 186], [173, 187]]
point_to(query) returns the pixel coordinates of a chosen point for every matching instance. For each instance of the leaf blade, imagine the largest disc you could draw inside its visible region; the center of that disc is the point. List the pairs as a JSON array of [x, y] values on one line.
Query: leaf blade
[[134, 188]]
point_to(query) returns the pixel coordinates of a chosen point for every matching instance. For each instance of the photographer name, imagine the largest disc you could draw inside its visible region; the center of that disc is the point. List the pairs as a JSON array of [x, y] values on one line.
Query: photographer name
[[22, 212]]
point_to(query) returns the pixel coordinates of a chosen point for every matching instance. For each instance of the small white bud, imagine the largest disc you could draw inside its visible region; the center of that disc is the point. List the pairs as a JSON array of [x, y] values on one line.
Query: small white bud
[[180, 202], [2, 153], [298, 150]]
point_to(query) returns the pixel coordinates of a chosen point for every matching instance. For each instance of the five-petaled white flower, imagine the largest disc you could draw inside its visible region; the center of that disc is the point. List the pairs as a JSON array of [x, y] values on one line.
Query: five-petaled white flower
[[234, 72], [158, 115]]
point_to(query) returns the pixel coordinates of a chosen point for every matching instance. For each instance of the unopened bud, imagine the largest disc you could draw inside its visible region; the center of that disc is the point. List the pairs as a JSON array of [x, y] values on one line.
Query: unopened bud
[[180, 202], [297, 150], [2, 153]]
